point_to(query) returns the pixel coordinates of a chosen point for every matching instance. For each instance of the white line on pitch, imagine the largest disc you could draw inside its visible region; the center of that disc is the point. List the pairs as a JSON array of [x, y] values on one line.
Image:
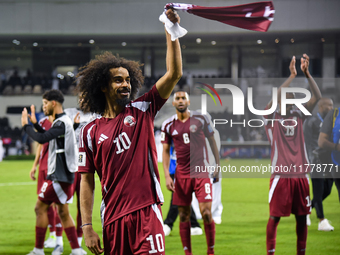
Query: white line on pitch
[[17, 184]]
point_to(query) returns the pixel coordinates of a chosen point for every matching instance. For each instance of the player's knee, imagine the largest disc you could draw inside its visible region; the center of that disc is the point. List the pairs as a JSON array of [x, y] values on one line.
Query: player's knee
[[39, 209], [206, 215], [184, 216], [276, 219], [63, 214]]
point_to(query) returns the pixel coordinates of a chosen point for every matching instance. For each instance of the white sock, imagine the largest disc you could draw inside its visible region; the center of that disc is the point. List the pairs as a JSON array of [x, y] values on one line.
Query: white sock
[[78, 250], [39, 251], [60, 240], [52, 234], [80, 240]]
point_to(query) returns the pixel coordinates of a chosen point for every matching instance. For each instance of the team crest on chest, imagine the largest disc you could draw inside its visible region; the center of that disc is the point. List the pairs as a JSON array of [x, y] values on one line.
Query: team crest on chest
[[193, 128], [129, 121]]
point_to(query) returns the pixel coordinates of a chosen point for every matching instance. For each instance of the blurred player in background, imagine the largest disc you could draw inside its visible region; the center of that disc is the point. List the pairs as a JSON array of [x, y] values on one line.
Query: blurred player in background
[[216, 206], [54, 223], [41, 157], [120, 147], [329, 139], [173, 209], [322, 181], [186, 129], [289, 190], [62, 163]]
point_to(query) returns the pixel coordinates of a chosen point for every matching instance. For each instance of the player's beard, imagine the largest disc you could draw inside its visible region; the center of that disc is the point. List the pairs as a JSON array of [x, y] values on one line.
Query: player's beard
[[182, 110], [123, 101]]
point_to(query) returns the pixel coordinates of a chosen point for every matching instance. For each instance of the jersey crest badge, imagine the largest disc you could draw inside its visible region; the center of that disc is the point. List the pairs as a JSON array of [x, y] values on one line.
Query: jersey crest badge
[[193, 128], [129, 121]]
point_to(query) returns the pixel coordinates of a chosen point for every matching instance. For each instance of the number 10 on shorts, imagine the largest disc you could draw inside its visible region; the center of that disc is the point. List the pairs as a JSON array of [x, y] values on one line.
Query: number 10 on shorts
[[159, 243]]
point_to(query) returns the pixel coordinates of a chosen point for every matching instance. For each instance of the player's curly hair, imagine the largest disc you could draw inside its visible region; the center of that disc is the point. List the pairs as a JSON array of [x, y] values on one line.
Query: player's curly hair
[[95, 76]]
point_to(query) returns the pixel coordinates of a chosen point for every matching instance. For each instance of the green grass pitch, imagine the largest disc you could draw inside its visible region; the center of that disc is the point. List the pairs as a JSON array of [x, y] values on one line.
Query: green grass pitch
[[243, 228]]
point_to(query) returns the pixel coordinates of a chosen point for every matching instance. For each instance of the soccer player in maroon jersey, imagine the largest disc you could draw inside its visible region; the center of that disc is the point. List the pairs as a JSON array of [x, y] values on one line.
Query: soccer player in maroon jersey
[[62, 164], [41, 160], [188, 129], [54, 223], [120, 147], [289, 184]]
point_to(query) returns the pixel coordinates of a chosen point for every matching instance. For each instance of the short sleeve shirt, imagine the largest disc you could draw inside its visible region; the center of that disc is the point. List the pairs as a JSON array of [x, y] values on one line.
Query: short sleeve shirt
[[122, 151], [189, 142]]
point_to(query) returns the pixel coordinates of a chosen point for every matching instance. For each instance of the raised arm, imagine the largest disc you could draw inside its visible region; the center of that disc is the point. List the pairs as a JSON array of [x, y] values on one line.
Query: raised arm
[[92, 240], [166, 164], [316, 94], [293, 74], [174, 71]]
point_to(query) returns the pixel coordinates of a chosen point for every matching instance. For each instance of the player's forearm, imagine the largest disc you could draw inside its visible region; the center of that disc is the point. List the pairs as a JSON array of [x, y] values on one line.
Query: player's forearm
[[174, 68], [42, 138], [214, 149], [86, 197], [173, 58], [217, 156], [37, 156], [39, 128], [316, 93], [324, 143], [166, 164]]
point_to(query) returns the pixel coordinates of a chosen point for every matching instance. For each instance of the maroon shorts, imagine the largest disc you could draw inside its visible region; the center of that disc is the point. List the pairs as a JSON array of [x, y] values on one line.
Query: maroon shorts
[[140, 232], [289, 195], [57, 192], [184, 188], [41, 179]]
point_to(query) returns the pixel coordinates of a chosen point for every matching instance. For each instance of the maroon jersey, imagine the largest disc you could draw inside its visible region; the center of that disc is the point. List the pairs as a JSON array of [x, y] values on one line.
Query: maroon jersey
[[46, 125], [189, 142], [123, 152], [288, 154]]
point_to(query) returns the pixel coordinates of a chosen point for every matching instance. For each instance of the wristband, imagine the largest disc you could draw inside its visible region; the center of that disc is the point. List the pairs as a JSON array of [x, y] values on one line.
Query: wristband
[[85, 225]]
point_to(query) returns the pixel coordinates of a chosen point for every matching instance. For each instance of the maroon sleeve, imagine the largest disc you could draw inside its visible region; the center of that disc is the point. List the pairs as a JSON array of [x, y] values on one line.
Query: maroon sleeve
[[165, 136], [85, 161], [151, 101], [207, 129]]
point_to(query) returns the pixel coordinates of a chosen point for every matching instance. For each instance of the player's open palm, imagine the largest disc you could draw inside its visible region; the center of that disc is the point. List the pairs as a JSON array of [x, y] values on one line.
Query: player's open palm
[[292, 67], [92, 241], [77, 118], [170, 184], [31, 116], [304, 63]]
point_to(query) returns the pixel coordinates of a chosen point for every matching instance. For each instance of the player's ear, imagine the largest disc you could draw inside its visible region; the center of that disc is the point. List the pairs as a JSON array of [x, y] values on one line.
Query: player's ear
[[188, 102], [173, 103], [104, 89]]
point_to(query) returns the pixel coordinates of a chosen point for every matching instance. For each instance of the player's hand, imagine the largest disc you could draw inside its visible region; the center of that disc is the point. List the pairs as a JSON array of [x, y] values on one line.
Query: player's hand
[[77, 118], [216, 179], [24, 116], [31, 116], [92, 240], [173, 16], [292, 67], [305, 64], [216, 175], [170, 184], [32, 173]]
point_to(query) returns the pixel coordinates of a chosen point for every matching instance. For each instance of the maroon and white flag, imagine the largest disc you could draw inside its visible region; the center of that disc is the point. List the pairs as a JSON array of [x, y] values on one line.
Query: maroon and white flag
[[254, 16]]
